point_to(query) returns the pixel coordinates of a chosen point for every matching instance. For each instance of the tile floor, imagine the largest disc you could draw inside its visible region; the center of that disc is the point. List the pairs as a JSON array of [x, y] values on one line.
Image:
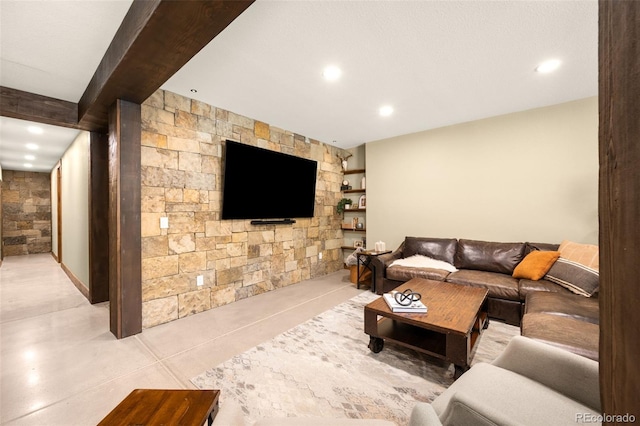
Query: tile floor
[[60, 365]]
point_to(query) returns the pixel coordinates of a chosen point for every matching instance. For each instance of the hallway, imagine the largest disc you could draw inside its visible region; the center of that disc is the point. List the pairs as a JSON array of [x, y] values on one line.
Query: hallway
[[60, 364]]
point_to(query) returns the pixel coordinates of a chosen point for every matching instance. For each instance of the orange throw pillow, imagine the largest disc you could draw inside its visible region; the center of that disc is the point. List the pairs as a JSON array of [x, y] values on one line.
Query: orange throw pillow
[[536, 264]]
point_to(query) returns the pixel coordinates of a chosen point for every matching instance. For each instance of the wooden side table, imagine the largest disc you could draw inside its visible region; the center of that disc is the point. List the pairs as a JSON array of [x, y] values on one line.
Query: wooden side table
[[364, 259], [165, 407]]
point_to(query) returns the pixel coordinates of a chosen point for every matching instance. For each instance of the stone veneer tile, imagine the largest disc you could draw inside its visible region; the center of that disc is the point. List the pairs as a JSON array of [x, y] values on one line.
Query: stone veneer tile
[[159, 311], [154, 140], [152, 199], [181, 243], [222, 296], [186, 120], [261, 130], [194, 302], [174, 195], [190, 161], [192, 262], [201, 108], [183, 145], [175, 101], [156, 157], [154, 267], [155, 246]]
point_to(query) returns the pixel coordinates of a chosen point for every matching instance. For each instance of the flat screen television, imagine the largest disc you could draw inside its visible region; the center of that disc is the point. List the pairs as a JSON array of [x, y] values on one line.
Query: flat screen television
[[263, 184]]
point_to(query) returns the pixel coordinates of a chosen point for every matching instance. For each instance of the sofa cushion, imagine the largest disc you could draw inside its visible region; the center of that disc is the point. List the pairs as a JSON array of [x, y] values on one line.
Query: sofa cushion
[[585, 254], [500, 286], [574, 276], [530, 286], [488, 256], [405, 273], [529, 247], [573, 335], [438, 248], [563, 304], [535, 265]]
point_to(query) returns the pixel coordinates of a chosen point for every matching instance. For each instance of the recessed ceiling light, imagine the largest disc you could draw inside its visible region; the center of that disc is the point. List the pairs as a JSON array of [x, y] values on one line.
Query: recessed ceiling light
[[32, 146], [386, 110], [332, 73], [29, 157], [28, 165], [194, 90], [35, 130], [548, 66]]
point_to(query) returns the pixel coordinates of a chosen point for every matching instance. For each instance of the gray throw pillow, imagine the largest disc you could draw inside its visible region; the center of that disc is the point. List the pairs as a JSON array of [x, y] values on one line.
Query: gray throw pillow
[[574, 276]]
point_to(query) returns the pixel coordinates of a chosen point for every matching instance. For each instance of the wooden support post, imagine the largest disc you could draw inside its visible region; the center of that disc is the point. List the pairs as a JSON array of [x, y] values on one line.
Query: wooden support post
[[125, 276], [98, 217], [619, 208]]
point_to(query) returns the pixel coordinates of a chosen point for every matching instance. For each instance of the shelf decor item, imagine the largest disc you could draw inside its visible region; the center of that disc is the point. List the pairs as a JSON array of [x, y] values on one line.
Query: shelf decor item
[[344, 204], [362, 202], [406, 302]]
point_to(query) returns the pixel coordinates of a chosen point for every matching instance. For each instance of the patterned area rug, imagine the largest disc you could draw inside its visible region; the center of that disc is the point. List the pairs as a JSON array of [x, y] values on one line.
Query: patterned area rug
[[323, 368]]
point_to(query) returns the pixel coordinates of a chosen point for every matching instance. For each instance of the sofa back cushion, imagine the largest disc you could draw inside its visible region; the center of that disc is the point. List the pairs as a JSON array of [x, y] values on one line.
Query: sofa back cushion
[[488, 256], [437, 248], [529, 247]]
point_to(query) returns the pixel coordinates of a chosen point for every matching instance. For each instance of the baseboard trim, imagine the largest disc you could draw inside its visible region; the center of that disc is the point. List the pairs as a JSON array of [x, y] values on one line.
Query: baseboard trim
[[79, 284], [55, 257]]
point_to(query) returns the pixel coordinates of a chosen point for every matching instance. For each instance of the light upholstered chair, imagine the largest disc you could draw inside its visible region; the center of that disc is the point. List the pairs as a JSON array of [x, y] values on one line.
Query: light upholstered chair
[[530, 383]]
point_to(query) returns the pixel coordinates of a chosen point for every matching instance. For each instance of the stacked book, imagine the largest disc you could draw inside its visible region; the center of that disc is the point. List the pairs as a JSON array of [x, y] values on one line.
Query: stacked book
[[414, 308]]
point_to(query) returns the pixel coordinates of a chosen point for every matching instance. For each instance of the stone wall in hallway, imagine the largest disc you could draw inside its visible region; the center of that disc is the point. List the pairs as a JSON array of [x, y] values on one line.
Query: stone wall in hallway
[[26, 213], [181, 179]]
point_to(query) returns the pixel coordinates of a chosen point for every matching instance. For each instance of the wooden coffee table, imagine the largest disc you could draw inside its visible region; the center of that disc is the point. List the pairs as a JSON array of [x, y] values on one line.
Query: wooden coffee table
[[456, 315], [165, 407]]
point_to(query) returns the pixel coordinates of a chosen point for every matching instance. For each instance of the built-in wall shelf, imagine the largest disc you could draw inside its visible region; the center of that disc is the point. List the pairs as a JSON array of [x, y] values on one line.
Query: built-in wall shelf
[[353, 172]]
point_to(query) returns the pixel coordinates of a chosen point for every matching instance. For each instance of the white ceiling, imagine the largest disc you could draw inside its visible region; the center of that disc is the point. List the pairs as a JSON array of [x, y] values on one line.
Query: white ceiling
[[436, 62]]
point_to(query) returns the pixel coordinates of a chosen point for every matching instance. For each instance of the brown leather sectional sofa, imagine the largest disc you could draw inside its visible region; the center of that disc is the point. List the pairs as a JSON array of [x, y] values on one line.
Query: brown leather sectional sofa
[[551, 313]]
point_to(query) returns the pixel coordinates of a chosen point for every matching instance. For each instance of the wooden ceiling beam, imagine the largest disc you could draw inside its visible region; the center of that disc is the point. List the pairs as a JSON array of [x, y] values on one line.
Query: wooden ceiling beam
[[156, 38], [40, 109]]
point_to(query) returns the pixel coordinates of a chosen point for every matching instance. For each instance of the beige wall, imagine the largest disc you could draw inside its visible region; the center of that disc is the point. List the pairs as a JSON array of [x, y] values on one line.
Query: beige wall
[[181, 179], [75, 208], [527, 176]]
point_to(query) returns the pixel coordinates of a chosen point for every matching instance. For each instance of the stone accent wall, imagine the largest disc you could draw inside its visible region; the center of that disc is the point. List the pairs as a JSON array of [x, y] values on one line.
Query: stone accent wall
[[181, 179], [26, 208]]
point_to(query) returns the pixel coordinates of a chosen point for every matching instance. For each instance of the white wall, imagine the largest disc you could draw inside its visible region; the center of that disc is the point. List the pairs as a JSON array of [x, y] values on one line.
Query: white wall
[[526, 176], [75, 208]]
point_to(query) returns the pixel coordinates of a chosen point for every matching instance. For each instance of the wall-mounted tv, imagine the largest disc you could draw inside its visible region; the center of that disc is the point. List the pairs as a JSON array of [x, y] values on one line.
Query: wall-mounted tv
[[263, 184]]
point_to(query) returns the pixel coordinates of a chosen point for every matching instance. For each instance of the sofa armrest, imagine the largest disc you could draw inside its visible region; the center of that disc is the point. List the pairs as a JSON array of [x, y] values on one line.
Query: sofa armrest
[[383, 261], [567, 373], [423, 414], [463, 409]]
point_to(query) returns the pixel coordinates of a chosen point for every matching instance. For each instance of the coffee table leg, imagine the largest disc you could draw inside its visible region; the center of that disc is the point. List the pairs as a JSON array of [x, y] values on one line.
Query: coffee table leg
[[376, 344], [459, 371]]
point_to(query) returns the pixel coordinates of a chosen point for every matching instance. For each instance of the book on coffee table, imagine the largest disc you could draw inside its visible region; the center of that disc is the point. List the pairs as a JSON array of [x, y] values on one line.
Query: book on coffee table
[[414, 308]]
